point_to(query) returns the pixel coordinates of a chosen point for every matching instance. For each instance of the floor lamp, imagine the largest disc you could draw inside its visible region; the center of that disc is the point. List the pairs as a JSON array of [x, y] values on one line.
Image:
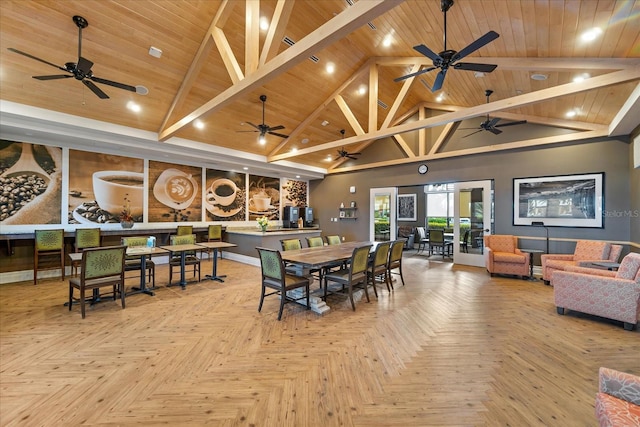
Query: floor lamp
[[541, 224]]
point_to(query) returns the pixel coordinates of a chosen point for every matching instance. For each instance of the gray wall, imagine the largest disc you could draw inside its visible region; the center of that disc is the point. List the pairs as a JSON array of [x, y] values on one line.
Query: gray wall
[[611, 156]]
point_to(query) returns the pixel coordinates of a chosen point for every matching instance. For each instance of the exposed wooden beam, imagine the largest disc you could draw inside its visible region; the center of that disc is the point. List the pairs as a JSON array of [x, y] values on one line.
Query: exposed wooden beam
[[578, 136], [399, 98], [251, 36], [526, 64], [348, 114], [628, 118], [337, 28], [373, 98], [446, 132], [276, 31], [228, 58], [479, 110]]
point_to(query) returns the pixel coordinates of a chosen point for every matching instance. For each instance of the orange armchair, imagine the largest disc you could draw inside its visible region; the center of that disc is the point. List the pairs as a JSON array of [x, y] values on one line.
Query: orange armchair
[[586, 252], [502, 256]]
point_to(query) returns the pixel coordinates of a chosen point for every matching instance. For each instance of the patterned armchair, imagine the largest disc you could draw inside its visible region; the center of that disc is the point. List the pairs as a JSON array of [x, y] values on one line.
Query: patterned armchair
[[502, 256], [611, 294], [618, 399], [586, 252]]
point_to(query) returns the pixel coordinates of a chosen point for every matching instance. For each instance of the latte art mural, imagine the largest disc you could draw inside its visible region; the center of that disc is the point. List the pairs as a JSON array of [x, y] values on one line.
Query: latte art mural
[[174, 193]]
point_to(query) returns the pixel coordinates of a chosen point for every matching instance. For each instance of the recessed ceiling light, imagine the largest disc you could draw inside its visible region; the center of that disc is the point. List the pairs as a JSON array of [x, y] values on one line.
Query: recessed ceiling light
[[386, 42], [478, 74], [133, 107], [294, 150], [297, 176], [198, 124], [580, 78], [538, 77], [324, 123], [330, 67], [264, 24], [328, 159], [362, 89], [440, 97], [571, 113], [591, 35], [245, 168]]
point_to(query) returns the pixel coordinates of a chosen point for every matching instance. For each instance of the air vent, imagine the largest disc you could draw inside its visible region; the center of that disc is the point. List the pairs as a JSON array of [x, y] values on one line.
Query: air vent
[[373, 27], [350, 2], [290, 42], [382, 104]]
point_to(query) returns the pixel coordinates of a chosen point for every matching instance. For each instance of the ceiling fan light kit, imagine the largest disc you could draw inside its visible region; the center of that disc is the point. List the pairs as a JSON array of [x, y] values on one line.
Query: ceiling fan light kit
[[81, 70], [490, 124], [263, 128], [448, 58]]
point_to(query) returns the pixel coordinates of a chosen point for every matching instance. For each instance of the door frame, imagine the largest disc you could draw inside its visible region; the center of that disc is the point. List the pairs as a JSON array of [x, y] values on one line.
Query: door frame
[[464, 258], [393, 195]]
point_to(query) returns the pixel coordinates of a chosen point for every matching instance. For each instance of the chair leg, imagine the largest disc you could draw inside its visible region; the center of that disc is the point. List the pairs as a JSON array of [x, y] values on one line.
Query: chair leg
[[308, 305], [82, 301], [261, 299], [70, 296], [122, 292], [283, 297], [353, 305]]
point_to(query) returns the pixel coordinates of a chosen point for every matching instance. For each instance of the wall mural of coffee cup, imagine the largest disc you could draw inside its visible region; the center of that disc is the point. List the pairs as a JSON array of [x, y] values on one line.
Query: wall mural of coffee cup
[[264, 197], [224, 197], [99, 194], [174, 192], [31, 176]]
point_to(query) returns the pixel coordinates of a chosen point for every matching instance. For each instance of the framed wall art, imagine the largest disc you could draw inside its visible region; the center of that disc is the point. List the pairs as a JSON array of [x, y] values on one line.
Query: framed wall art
[[559, 201], [406, 207]]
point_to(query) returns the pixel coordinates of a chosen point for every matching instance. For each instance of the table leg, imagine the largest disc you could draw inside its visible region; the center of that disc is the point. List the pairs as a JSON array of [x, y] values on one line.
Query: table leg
[[143, 279], [531, 268], [214, 272], [183, 262]]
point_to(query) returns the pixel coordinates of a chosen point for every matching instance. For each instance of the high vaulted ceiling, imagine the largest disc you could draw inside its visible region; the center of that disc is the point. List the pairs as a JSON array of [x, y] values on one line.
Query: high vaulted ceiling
[[216, 62]]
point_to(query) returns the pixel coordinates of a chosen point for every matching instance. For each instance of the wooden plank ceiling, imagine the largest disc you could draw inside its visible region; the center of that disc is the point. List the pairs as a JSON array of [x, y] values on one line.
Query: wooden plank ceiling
[[216, 63]]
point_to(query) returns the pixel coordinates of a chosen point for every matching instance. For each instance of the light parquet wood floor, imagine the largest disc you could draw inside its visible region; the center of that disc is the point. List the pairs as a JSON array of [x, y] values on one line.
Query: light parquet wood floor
[[454, 347]]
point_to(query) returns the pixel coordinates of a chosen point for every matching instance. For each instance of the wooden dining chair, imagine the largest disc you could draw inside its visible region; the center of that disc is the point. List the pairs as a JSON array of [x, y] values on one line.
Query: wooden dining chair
[[275, 277], [422, 240], [101, 267], [184, 230], [353, 277], [48, 247], [378, 266], [395, 261], [85, 238], [437, 240], [314, 242], [191, 256], [134, 263], [214, 234], [333, 240]]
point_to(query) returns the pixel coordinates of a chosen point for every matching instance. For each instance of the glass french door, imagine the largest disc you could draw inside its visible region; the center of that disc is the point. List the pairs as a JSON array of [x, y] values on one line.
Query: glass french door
[[382, 217], [473, 216]]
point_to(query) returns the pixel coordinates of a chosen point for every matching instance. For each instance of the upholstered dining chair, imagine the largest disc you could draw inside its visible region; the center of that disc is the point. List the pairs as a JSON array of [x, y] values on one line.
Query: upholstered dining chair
[[290, 244], [275, 277], [134, 263], [214, 234], [184, 230], [378, 266], [352, 277], [191, 257], [85, 238], [101, 267], [395, 261], [314, 242], [333, 240], [49, 246], [422, 239], [437, 240]]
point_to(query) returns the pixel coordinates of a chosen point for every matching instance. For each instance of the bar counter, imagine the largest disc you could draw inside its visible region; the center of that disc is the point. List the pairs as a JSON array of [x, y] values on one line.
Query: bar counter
[[248, 239]]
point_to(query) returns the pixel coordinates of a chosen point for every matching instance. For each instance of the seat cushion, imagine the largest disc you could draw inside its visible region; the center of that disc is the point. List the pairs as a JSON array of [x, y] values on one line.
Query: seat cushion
[[508, 257], [611, 411], [591, 250]]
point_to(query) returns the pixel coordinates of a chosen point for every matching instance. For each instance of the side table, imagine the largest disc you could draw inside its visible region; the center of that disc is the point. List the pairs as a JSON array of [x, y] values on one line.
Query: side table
[[531, 252], [612, 266]]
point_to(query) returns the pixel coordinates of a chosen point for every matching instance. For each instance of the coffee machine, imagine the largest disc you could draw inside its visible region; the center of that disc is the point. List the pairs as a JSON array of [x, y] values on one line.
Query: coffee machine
[[290, 217], [306, 214]]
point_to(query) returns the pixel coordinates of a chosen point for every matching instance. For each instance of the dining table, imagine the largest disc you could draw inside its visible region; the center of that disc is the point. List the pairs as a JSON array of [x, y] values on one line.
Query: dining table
[[133, 251], [182, 250], [216, 246]]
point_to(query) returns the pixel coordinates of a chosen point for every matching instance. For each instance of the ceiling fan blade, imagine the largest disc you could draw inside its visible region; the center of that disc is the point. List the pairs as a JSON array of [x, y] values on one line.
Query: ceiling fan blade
[[84, 65], [276, 128], [487, 38], [114, 84], [469, 66], [278, 134], [426, 70], [36, 58], [54, 77], [95, 89], [521, 122], [255, 126], [349, 156], [252, 131], [492, 122], [494, 131], [437, 85], [473, 133], [428, 52]]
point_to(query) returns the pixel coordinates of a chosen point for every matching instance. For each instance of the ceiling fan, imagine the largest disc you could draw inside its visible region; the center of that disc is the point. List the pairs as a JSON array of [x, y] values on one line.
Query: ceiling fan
[[492, 124], [82, 69], [263, 128], [344, 154], [448, 58]]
